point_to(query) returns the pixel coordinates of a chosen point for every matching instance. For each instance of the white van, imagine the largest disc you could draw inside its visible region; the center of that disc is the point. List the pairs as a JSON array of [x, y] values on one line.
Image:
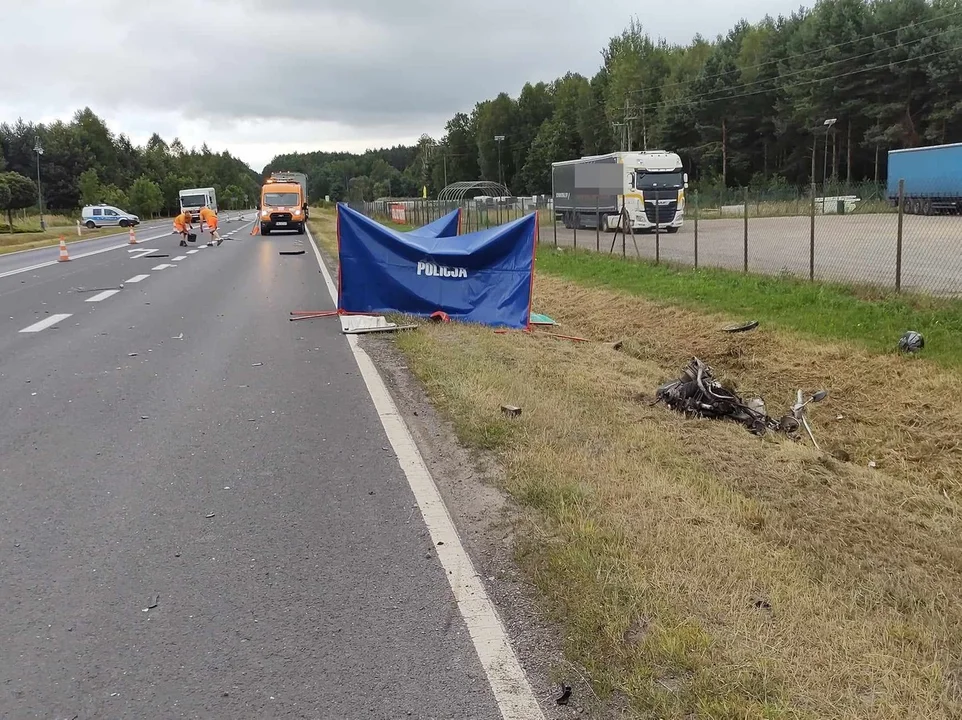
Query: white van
[[96, 216]]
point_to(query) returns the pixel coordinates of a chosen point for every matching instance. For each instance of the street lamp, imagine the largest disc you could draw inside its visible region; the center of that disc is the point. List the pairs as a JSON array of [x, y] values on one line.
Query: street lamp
[[499, 139], [38, 148], [828, 127]]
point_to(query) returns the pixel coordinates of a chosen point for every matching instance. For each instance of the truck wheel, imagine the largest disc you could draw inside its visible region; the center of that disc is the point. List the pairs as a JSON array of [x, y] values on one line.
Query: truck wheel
[[90, 224], [566, 220], [927, 206]]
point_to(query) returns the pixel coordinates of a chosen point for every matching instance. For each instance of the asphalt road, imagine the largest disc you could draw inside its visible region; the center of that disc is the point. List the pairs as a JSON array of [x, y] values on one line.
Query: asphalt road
[[856, 248], [200, 514]]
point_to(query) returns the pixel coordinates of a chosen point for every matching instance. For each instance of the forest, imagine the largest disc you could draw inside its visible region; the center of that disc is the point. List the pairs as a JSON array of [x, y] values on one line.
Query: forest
[[83, 162], [746, 109]]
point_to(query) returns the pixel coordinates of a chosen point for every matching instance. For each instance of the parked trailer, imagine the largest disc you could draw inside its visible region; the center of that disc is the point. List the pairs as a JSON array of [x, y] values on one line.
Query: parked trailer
[[932, 176], [649, 185]]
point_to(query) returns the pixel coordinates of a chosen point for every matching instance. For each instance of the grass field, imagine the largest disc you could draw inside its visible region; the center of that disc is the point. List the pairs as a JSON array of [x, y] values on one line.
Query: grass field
[[699, 571]]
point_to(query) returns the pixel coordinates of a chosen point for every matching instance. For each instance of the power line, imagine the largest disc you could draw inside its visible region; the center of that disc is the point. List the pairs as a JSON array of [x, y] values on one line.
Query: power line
[[818, 51], [803, 71], [671, 104]]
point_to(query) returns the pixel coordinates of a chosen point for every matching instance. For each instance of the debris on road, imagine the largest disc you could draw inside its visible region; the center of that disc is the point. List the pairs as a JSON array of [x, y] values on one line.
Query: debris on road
[[178, 337], [154, 256], [131, 354], [209, 515], [154, 604], [291, 252], [511, 410], [256, 364], [565, 695], [911, 342], [539, 319], [357, 324]]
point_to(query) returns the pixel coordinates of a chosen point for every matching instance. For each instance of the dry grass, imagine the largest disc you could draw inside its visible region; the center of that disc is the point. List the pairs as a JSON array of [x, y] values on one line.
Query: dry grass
[[698, 570]]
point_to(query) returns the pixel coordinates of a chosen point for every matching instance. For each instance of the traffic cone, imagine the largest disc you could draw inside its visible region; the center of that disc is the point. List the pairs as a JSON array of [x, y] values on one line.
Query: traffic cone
[[133, 236], [64, 257]]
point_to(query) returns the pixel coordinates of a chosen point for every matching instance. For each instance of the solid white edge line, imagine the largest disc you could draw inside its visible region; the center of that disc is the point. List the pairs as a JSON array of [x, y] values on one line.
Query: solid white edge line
[[102, 295], [507, 679], [46, 322]]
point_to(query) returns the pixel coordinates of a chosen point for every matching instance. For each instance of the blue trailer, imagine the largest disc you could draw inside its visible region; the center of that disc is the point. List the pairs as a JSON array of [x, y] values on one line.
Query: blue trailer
[[933, 179]]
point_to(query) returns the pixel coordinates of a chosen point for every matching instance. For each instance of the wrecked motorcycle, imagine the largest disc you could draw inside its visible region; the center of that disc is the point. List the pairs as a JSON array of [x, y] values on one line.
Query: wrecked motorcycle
[[698, 393]]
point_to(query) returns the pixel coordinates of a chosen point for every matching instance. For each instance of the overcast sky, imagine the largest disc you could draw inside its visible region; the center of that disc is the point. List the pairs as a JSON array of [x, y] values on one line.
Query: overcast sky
[[261, 77]]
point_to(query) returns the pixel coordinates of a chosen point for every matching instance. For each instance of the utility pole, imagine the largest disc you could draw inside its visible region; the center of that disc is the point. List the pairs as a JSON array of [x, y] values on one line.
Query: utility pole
[[629, 117], [38, 148], [499, 139]]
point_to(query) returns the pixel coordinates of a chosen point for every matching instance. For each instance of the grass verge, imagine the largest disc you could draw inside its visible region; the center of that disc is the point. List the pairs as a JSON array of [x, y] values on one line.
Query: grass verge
[[871, 317], [698, 571]]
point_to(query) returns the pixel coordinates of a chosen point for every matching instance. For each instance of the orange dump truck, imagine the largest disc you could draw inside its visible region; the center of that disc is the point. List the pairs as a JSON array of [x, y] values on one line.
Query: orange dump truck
[[283, 206]]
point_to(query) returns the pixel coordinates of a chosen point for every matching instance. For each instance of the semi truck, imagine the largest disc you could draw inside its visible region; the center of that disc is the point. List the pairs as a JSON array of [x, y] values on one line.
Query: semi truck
[[590, 192], [293, 177], [933, 179], [193, 199]]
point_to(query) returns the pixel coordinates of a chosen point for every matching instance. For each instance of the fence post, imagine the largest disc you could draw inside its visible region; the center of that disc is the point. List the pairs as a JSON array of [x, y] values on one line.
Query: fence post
[[554, 221], [657, 228], [745, 251], [695, 199], [898, 243], [811, 239], [575, 221], [597, 223]]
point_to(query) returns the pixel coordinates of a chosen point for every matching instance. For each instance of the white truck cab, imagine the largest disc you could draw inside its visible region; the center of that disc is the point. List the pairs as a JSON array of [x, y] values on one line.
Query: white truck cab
[[650, 186]]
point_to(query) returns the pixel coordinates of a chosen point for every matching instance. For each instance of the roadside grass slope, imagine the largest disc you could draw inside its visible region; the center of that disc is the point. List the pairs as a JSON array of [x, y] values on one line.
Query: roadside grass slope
[[699, 571]]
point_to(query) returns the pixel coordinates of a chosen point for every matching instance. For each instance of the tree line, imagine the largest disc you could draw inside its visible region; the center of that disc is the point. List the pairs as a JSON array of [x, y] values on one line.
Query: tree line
[[84, 163], [745, 109]]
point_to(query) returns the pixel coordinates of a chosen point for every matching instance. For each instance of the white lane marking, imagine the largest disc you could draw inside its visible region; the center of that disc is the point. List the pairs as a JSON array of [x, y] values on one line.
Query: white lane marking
[[141, 252], [46, 322], [511, 688], [179, 258], [81, 256], [191, 252], [102, 295], [163, 266], [136, 279]]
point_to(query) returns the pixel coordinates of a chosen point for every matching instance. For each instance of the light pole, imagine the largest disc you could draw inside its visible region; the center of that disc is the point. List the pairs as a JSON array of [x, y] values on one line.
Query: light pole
[[828, 127], [38, 148], [499, 139]]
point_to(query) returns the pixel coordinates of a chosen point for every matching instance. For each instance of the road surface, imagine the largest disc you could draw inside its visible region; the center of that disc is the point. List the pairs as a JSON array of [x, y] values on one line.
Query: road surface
[[201, 515], [857, 248]]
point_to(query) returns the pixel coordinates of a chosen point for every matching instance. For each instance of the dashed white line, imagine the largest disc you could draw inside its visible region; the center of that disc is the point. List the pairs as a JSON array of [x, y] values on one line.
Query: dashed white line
[[191, 252], [179, 258], [136, 279], [102, 295], [163, 266], [46, 322]]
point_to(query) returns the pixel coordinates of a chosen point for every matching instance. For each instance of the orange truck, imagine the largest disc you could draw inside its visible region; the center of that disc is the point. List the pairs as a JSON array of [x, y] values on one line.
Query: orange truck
[[283, 204]]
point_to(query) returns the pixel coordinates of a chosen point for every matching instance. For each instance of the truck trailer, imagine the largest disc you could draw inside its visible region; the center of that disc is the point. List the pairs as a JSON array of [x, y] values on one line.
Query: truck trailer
[[933, 179], [650, 185], [297, 178]]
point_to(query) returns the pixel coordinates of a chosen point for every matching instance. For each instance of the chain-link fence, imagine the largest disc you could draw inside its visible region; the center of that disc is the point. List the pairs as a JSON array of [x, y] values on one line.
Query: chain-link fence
[[856, 235]]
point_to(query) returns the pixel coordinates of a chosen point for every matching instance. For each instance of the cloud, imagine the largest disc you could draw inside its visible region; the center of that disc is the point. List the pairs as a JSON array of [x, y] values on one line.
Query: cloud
[[311, 71]]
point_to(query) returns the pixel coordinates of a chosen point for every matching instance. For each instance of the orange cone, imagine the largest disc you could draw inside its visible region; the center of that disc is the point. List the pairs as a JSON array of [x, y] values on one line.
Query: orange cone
[[64, 257], [133, 236]]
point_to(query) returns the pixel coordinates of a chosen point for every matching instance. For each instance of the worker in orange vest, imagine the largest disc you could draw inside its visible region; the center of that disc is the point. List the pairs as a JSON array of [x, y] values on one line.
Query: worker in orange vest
[[182, 225], [210, 217]]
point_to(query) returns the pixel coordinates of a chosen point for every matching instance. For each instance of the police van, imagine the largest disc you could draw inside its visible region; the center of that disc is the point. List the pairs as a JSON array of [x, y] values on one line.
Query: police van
[[97, 216]]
